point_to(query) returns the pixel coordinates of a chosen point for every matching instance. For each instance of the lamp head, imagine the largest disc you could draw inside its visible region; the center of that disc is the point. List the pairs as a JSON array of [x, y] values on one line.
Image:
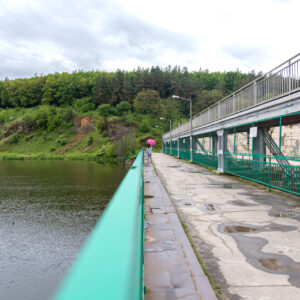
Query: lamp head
[[174, 96]]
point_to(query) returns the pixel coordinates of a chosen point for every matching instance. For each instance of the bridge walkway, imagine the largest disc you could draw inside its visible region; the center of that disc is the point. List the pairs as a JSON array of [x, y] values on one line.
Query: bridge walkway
[[247, 236], [171, 267]]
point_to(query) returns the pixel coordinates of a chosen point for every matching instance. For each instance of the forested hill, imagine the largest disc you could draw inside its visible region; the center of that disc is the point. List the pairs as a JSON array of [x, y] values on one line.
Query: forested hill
[[91, 89], [100, 115]]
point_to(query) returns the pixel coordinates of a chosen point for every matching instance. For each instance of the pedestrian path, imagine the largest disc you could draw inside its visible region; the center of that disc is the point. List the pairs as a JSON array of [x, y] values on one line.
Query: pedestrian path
[[247, 236], [172, 270]]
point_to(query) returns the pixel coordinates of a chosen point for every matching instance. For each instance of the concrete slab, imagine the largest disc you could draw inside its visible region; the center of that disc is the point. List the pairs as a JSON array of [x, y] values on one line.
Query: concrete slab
[[172, 270], [248, 238]]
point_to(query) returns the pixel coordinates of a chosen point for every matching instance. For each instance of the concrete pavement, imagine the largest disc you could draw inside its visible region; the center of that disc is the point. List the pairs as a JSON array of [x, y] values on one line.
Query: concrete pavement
[[171, 267], [248, 238]]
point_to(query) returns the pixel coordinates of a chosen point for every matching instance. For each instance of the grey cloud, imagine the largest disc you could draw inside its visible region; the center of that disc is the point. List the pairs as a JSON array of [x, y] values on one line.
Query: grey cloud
[[249, 55], [86, 35]]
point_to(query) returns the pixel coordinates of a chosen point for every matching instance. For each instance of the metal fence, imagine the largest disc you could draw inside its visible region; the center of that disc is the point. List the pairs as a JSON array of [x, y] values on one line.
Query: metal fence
[[208, 159], [184, 148], [111, 264], [280, 176], [174, 148], [281, 80]]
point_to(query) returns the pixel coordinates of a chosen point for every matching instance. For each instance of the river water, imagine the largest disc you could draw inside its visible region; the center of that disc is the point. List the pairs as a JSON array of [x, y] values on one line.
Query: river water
[[47, 210]]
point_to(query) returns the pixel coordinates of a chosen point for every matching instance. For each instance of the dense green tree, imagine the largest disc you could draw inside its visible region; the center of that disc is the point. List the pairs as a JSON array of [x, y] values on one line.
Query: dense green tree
[[147, 102], [87, 90], [102, 89]]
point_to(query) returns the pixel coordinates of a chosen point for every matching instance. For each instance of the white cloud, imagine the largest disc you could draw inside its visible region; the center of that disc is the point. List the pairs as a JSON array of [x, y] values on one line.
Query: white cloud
[[47, 36]]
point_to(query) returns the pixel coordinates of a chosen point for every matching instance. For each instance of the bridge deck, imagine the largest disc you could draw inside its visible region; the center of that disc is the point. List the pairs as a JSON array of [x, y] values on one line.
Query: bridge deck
[[171, 268], [248, 237]]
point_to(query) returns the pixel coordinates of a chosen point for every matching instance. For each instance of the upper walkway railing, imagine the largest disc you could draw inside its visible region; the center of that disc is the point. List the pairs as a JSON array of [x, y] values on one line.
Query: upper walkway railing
[[281, 80], [111, 264]]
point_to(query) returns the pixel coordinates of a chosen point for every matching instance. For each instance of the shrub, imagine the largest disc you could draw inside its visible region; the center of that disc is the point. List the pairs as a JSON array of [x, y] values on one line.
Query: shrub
[[105, 110], [125, 144], [145, 126], [29, 120], [110, 151], [2, 117], [14, 139], [42, 119], [68, 115], [84, 104], [107, 150], [100, 124], [128, 119], [90, 140], [122, 108], [61, 141]]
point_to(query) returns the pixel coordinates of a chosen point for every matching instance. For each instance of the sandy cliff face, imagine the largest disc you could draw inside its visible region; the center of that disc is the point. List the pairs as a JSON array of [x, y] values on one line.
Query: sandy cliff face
[[84, 124]]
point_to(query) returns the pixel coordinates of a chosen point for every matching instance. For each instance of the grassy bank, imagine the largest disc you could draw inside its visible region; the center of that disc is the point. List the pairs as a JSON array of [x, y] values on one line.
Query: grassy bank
[[47, 132]]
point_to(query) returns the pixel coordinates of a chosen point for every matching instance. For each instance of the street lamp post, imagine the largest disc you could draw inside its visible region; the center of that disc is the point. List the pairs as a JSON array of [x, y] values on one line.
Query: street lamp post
[[162, 140], [191, 128], [170, 132]]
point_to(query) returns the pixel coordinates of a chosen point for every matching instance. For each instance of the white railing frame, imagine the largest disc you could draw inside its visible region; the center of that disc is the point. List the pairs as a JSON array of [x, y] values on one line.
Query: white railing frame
[[289, 77]]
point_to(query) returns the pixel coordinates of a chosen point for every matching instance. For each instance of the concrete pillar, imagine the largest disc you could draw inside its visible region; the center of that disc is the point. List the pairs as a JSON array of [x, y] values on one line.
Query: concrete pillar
[[178, 147], [191, 148], [222, 140], [259, 146]]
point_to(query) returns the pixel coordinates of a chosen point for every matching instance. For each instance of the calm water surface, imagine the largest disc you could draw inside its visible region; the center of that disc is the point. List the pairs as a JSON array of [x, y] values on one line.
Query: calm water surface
[[47, 210]]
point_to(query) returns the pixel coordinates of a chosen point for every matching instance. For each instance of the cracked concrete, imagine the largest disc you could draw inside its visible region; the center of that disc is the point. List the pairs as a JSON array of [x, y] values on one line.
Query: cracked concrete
[[248, 238], [171, 267]]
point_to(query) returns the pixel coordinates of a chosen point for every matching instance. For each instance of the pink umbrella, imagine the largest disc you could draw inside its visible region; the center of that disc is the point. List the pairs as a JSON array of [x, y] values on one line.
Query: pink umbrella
[[151, 142]]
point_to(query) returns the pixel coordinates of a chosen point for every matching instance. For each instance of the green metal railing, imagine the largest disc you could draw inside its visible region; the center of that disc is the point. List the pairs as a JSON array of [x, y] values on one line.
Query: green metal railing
[[275, 175], [174, 148], [111, 263], [184, 154], [209, 158], [184, 148], [167, 150]]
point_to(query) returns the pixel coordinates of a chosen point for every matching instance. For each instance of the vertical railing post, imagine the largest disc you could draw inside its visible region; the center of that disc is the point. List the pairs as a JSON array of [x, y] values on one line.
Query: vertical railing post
[[280, 129], [290, 79], [191, 133], [234, 140], [269, 174], [242, 166], [221, 150], [219, 110], [233, 103], [255, 93]]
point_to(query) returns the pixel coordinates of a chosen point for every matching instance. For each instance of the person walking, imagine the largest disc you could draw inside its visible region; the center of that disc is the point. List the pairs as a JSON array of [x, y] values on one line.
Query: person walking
[[149, 153]]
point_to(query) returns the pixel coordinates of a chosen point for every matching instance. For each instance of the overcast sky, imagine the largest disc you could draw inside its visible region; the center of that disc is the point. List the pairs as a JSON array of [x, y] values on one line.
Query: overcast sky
[[42, 37]]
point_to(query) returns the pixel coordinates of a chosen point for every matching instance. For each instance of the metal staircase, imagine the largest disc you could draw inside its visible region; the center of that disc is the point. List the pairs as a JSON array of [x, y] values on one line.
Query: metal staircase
[[274, 149]]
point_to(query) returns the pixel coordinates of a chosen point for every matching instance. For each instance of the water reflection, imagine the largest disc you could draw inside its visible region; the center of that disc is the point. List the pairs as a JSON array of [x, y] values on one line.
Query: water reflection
[[47, 210]]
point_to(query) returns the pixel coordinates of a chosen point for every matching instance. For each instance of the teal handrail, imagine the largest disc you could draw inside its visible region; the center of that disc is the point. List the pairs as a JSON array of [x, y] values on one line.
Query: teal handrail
[[111, 264]]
